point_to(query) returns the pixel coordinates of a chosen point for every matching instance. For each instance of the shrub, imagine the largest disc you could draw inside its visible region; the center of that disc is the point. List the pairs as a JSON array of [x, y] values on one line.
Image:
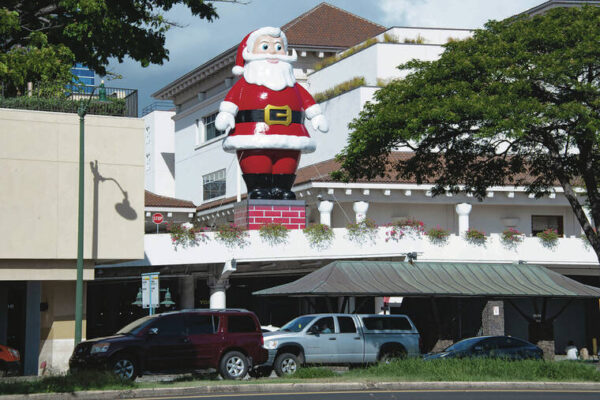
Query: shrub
[[352, 50], [273, 234], [362, 232], [184, 236], [475, 237], [389, 38], [62, 104], [319, 236], [406, 226], [232, 235], [549, 237], [438, 235], [511, 237], [343, 87]]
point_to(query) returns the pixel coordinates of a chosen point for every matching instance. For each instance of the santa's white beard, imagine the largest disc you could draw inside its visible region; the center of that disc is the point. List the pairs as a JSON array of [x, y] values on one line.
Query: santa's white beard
[[275, 76]]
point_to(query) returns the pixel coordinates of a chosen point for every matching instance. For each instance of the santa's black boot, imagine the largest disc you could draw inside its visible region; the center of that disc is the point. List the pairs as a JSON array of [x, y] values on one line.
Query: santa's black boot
[[258, 185], [284, 183]]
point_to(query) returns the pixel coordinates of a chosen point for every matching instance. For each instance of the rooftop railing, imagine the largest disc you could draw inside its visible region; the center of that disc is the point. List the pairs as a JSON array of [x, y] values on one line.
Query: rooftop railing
[[109, 101], [158, 106]]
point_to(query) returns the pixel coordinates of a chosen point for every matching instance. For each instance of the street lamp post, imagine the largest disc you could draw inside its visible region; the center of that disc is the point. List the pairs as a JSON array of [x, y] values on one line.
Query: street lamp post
[[81, 111]]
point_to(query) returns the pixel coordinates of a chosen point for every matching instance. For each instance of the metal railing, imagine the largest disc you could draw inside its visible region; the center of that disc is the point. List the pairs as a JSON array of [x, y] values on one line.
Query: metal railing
[[111, 101], [164, 105]]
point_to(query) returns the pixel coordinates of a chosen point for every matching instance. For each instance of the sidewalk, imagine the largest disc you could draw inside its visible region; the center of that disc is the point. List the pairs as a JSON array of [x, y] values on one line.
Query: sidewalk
[[308, 387]]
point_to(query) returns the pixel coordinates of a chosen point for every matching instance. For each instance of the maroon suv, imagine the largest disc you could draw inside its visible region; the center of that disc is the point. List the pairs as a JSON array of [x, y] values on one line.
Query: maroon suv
[[229, 341]]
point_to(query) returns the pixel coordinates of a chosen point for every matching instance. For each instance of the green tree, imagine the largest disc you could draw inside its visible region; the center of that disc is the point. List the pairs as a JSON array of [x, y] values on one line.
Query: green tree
[[37, 36], [518, 104]]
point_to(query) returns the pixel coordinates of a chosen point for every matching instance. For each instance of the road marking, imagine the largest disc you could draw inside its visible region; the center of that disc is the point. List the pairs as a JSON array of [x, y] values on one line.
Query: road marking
[[213, 395]]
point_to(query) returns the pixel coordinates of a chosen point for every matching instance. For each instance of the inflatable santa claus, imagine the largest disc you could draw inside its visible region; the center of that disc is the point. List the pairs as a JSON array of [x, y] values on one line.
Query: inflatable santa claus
[[263, 115]]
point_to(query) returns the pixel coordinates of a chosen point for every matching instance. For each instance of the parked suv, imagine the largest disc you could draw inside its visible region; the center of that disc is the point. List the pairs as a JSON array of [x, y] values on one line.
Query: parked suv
[[342, 339], [229, 341]]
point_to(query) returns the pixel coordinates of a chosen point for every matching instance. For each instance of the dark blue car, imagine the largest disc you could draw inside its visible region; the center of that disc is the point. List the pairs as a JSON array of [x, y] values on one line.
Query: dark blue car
[[490, 347]]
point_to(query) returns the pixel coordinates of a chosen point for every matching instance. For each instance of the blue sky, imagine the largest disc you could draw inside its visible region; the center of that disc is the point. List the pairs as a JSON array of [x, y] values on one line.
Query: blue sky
[[198, 41]]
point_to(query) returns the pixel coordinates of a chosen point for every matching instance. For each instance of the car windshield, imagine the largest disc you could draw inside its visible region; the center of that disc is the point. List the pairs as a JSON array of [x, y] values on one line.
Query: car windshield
[[463, 344], [296, 325], [136, 326]]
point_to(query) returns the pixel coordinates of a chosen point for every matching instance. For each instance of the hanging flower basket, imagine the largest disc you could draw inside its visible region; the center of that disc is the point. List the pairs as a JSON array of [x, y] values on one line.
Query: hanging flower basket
[[186, 236], [319, 236], [362, 232], [232, 235], [405, 227], [475, 237], [511, 237], [273, 234], [549, 237], [438, 235]]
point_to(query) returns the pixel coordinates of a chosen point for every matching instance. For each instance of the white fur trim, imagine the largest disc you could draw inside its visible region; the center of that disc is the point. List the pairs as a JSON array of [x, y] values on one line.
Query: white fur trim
[[312, 111], [266, 30], [229, 107], [237, 70], [285, 142]]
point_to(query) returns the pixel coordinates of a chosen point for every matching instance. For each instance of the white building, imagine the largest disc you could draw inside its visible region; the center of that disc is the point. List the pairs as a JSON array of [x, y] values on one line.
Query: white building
[[209, 177]]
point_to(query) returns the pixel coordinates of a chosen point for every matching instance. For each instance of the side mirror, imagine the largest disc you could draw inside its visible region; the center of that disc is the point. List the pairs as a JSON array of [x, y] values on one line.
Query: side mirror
[[313, 330], [153, 331]]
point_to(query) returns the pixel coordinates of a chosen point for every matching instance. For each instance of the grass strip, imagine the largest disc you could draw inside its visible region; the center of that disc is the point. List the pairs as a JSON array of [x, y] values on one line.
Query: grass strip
[[69, 383]]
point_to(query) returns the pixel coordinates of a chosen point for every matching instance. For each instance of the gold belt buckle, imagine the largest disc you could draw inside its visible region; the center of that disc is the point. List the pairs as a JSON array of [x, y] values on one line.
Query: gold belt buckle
[[278, 115]]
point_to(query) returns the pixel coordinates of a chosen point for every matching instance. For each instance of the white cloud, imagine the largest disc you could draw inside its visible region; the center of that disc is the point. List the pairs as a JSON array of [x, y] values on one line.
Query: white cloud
[[450, 13]]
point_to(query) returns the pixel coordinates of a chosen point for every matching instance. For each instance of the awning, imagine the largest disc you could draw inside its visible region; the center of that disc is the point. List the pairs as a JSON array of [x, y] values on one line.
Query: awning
[[381, 278]]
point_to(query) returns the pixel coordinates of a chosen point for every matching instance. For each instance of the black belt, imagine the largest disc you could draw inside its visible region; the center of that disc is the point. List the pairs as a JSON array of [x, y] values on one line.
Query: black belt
[[272, 115]]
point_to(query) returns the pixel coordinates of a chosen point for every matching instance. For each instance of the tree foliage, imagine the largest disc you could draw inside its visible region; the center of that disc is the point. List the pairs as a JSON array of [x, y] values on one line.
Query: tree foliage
[[518, 104], [39, 39]]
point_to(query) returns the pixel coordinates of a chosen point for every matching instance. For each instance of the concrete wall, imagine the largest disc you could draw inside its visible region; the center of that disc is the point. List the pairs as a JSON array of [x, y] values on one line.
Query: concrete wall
[[160, 151], [39, 162]]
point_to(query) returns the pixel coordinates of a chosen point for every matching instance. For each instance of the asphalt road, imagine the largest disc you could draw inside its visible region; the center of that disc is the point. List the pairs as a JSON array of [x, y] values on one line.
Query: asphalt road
[[400, 395]]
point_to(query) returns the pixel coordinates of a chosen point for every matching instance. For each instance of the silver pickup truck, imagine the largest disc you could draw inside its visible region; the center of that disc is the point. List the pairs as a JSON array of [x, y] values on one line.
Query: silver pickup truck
[[339, 339]]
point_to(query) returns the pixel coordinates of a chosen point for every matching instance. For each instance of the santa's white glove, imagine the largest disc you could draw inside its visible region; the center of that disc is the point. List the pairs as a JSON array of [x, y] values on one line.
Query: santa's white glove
[[224, 121], [319, 122]]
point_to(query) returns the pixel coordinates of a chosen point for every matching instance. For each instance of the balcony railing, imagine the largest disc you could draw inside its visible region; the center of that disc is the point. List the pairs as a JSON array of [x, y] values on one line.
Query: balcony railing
[[158, 105], [566, 251], [104, 100]]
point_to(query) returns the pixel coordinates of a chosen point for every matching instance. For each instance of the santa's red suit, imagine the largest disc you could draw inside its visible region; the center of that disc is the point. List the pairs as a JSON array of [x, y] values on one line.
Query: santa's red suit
[[266, 126]]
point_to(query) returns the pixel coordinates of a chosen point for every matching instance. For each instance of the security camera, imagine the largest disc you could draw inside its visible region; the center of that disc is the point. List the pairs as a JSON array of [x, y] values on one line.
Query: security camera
[[319, 197]]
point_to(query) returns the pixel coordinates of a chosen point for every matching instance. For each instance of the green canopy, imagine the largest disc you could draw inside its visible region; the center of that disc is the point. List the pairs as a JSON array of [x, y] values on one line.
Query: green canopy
[[382, 278]]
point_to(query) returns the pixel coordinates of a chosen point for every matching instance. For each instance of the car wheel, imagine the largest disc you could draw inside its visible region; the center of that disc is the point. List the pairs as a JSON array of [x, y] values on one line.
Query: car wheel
[[124, 366], [286, 364], [234, 365], [260, 372], [388, 357]]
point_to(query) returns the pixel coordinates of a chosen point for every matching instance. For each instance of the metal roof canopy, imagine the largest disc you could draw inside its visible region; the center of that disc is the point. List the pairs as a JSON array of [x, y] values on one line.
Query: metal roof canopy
[[424, 279]]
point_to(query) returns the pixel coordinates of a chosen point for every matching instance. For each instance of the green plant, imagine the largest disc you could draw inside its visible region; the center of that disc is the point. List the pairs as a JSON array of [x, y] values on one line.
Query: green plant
[[389, 38], [352, 50], [343, 87], [405, 226], [363, 231], [418, 40], [549, 237], [232, 235], [313, 372], [511, 237], [438, 235], [273, 234], [115, 107], [185, 236], [475, 237], [319, 235]]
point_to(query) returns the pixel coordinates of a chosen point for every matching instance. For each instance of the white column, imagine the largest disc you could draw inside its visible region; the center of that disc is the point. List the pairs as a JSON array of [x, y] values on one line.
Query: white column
[[217, 294], [360, 209], [325, 208], [588, 214], [378, 305], [187, 292], [463, 210]]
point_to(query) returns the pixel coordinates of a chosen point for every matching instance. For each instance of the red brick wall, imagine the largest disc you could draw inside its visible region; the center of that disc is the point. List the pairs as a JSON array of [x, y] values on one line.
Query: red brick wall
[[254, 216]]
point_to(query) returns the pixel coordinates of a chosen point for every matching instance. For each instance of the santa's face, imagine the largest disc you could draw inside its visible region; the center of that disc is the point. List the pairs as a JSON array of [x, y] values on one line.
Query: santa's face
[[268, 65]]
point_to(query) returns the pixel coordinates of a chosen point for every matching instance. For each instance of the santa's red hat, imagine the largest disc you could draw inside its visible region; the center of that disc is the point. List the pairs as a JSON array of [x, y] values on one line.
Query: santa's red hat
[[247, 44]]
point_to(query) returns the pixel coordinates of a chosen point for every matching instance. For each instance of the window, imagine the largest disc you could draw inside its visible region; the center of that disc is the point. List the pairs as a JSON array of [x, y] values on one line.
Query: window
[[387, 323], [346, 325], [209, 127], [323, 325], [213, 184], [240, 324], [202, 324], [172, 326], [540, 223]]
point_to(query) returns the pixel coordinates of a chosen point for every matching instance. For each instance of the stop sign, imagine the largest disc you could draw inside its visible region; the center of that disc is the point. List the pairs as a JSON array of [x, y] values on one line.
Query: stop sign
[[157, 218]]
